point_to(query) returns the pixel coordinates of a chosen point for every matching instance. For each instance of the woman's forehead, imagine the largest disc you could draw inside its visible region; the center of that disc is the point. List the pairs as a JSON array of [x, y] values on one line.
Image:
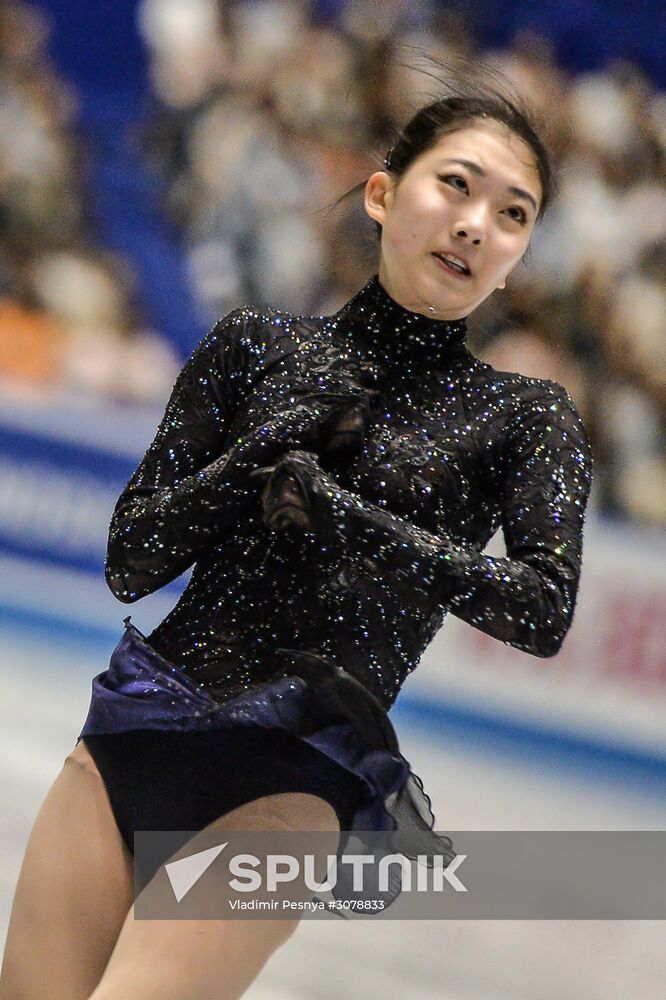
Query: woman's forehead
[[488, 149], [489, 144]]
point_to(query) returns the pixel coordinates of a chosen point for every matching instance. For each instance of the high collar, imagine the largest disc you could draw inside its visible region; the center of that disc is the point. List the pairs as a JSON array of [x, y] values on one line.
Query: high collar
[[392, 335]]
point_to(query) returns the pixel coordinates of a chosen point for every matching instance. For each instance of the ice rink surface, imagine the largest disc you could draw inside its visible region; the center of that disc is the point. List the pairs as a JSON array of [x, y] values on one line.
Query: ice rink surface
[[46, 675]]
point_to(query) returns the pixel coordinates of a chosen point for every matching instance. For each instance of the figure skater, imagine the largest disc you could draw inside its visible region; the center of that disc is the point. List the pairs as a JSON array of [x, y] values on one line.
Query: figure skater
[[333, 480]]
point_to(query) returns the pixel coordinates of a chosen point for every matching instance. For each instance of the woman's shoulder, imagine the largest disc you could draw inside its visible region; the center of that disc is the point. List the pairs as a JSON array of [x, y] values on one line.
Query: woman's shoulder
[[253, 324], [519, 390], [528, 409], [268, 323], [251, 335]]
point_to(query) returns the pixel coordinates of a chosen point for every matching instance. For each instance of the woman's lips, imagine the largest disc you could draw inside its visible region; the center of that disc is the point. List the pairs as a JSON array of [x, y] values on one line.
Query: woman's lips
[[449, 269]]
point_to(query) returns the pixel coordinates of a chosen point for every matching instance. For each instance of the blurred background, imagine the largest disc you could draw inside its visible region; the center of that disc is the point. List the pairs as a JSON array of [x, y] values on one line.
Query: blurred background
[[164, 161]]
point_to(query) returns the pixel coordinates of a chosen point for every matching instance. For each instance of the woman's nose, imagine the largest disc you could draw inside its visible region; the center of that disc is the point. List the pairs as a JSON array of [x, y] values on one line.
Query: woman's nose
[[471, 229], [465, 234]]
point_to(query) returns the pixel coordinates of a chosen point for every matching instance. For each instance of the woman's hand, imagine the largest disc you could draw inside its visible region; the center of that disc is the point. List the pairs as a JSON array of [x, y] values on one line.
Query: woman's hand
[[343, 432], [310, 428], [296, 493], [285, 497]]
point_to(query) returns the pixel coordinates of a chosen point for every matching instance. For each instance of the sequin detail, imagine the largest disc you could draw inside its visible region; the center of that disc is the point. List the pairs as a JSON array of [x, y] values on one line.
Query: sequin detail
[[454, 450]]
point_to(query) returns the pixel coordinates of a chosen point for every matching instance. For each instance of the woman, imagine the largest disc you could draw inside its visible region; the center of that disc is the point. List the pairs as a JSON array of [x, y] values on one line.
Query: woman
[[334, 480]]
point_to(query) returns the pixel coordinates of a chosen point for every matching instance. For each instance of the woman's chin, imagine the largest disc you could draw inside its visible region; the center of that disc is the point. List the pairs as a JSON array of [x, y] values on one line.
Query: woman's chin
[[451, 303]]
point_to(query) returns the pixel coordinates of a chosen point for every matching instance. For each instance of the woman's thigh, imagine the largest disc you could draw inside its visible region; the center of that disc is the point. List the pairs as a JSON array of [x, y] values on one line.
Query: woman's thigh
[[73, 893], [199, 959]]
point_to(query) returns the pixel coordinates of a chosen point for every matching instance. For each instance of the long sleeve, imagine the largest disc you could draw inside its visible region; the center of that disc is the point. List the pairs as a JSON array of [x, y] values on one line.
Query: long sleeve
[[525, 598], [179, 497], [528, 597]]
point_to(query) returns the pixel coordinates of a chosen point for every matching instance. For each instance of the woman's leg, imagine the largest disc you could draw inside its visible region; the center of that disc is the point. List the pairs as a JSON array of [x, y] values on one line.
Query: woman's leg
[[73, 893], [202, 959]]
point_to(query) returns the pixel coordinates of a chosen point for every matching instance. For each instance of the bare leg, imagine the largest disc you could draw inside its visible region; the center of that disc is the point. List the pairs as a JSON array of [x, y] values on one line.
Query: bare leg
[[210, 959], [73, 892]]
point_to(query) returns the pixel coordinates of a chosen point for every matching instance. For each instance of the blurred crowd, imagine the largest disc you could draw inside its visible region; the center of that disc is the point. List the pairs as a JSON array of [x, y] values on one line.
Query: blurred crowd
[[69, 308], [262, 113]]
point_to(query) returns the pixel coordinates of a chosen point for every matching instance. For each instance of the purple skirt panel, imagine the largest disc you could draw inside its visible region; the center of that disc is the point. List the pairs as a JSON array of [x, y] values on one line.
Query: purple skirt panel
[[311, 698]]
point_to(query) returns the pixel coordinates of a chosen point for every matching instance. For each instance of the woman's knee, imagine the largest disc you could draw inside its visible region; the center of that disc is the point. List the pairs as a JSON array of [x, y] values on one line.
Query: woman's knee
[[171, 960], [285, 931]]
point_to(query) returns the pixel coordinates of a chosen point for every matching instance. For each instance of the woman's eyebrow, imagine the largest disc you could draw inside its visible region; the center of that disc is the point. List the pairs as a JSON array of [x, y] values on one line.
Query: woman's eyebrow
[[474, 168]]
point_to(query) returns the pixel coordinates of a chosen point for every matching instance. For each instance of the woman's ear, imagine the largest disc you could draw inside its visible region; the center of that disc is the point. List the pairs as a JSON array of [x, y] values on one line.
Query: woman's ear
[[378, 195]]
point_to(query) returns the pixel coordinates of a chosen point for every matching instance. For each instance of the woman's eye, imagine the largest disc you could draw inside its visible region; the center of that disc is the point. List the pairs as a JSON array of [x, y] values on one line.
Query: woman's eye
[[521, 215], [448, 178], [515, 212]]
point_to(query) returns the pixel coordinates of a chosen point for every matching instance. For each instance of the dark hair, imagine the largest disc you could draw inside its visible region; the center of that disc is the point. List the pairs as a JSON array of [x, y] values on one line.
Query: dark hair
[[473, 92], [450, 114]]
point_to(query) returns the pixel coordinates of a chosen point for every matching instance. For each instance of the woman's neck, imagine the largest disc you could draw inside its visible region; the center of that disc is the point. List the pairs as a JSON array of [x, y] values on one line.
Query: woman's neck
[[376, 322]]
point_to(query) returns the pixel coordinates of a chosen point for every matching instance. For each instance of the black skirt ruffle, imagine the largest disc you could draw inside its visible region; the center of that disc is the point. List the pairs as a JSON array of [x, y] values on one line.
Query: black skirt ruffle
[[310, 703]]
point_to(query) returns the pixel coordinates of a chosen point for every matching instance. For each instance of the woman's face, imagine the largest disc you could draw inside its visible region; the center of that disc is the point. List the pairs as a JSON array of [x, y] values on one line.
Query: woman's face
[[481, 211]]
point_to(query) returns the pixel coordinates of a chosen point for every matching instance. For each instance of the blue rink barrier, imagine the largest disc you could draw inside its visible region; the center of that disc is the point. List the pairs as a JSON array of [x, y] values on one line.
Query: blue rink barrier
[[61, 470], [56, 499], [549, 749], [575, 754], [62, 467]]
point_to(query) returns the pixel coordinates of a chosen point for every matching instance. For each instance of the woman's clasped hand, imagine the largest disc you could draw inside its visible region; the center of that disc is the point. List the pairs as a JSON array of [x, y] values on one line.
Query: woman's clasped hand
[[294, 480], [295, 486]]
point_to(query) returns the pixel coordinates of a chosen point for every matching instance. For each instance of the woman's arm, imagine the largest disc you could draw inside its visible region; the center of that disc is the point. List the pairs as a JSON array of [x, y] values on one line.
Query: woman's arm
[[185, 490], [188, 490], [525, 598], [528, 597]]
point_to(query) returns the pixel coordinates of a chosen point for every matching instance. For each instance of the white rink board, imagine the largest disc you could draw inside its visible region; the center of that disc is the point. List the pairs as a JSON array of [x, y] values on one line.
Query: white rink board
[[46, 683]]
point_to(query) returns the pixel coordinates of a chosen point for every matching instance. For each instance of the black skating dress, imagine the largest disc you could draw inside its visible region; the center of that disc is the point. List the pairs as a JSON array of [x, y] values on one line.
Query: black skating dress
[[277, 668]]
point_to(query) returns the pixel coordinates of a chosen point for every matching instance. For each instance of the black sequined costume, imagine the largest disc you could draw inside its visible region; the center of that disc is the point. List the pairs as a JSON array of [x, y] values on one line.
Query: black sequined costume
[[452, 451]]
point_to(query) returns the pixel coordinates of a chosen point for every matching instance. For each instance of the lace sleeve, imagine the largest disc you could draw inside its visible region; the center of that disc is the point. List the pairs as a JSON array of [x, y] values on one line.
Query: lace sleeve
[[179, 497], [525, 598]]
